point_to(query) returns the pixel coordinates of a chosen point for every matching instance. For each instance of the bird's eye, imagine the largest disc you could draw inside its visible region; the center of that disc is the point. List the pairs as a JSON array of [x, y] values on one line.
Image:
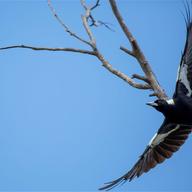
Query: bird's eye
[[157, 101]]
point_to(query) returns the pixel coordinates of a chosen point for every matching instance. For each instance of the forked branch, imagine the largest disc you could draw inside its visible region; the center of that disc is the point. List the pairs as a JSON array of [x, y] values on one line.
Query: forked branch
[[137, 53], [67, 29], [148, 81], [99, 55]]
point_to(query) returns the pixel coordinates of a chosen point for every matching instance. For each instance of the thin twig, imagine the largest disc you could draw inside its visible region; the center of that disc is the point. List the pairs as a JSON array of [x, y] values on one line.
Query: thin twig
[[49, 49], [140, 77], [153, 95], [96, 5], [84, 5], [64, 25], [93, 21], [106, 24], [127, 51], [137, 53], [85, 23]]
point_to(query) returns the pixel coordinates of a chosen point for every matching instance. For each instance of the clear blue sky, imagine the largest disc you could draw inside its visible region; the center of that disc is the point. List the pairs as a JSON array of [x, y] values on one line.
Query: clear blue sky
[[68, 124]]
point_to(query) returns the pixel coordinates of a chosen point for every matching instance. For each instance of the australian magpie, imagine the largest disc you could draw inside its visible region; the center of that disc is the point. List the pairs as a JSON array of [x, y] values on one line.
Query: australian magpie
[[177, 124]]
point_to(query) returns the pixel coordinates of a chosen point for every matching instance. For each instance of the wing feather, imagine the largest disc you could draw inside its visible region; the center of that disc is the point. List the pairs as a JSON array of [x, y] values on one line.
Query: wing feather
[[155, 153], [185, 69]]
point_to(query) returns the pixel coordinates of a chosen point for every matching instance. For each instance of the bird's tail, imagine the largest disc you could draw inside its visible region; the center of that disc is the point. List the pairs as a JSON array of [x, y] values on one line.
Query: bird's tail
[[110, 185]]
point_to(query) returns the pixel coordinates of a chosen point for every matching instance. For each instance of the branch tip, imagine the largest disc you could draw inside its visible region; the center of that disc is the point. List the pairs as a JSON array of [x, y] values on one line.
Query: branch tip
[[66, 28], [140, 77], [49, 49], [128, 51]]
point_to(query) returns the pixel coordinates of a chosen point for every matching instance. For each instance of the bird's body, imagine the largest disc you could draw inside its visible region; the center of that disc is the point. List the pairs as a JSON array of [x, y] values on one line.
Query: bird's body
[[177, 124], [180, 111]]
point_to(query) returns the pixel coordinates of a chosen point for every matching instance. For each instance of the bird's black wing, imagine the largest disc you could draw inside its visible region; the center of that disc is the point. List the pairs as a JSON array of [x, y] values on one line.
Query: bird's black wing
[[166, 141], [184, 76]]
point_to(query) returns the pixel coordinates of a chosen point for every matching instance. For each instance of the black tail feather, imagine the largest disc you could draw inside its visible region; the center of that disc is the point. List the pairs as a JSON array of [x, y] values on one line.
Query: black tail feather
[[110, 185]]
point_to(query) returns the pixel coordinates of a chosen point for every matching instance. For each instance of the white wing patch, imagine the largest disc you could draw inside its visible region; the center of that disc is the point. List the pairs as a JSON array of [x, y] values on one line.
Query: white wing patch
[[182, 76], [158, 138], [178, 72]]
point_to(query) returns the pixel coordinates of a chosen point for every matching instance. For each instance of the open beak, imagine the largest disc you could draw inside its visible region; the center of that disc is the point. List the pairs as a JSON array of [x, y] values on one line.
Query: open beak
[[152, 104]]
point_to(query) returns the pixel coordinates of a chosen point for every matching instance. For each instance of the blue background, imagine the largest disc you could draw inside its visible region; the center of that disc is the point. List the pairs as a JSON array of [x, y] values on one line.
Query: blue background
[[68, 124]]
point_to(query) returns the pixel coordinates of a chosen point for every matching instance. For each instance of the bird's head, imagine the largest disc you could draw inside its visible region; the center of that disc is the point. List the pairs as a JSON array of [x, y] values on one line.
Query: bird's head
[[162, 105]]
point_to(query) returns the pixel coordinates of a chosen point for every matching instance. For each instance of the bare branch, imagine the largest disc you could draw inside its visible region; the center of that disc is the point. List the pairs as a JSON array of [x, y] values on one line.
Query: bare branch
[[106, 24], [122, 24], [96, 5], [93, 21], [86, 26], [95, 52], [153, 95], [128, 51], [104, 62], [49, 49], [138, 54], [121, 75], [64, 25], [140, 77], [85, 23]]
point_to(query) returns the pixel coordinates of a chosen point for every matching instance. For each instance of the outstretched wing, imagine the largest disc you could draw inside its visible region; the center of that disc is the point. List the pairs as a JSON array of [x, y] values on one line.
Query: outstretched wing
[[162, 146], [185, 69]]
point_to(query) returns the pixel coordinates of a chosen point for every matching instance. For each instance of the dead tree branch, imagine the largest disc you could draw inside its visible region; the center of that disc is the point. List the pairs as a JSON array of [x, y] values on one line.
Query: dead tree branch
[[96, 5], [92, 20], [131, 53], [149, 80], [49, 49], [85, 23], [91, 43], [98, 54], [121, 75], [137, 53], [140, 77], [64, 25]]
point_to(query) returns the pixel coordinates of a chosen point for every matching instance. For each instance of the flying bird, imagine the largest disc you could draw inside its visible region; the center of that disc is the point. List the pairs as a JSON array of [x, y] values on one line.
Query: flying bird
[[177, 124]]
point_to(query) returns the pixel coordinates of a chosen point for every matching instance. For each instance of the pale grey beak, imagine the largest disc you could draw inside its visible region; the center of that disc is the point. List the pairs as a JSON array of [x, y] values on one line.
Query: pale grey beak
[[152, 104]]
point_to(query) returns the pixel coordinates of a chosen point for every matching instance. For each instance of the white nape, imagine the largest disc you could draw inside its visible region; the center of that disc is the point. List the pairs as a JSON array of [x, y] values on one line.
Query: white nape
[[170, 102]]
